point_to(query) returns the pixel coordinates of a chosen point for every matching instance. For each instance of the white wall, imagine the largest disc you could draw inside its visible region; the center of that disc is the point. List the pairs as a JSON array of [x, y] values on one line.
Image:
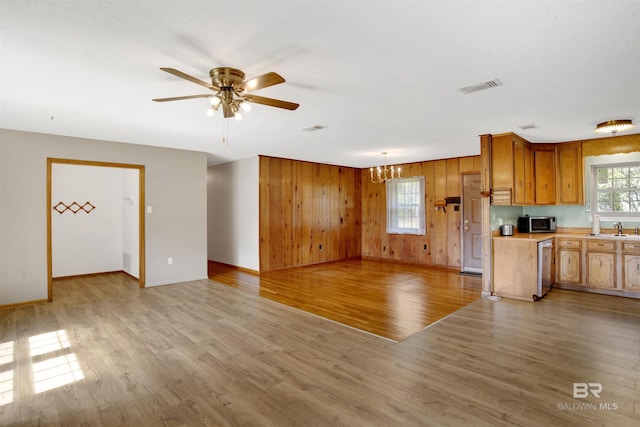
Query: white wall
[[175, 187], [81, 242], [130, 221], [232, 199]]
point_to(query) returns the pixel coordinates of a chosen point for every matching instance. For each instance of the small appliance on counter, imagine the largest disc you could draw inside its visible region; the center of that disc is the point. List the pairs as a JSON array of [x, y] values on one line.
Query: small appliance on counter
[[537, 224], [506, 230]]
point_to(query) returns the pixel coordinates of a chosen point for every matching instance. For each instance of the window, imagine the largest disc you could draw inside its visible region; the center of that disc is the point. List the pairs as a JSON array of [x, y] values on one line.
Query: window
[[405, 205], [615, 190]]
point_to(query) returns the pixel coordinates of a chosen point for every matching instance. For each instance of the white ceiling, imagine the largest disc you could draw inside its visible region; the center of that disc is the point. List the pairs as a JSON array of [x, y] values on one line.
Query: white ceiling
[[380, 75]]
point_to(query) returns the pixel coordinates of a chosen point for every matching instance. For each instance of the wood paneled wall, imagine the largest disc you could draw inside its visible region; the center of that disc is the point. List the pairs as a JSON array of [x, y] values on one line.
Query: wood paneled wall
[[312, 213], [442, 179], [309, 213]]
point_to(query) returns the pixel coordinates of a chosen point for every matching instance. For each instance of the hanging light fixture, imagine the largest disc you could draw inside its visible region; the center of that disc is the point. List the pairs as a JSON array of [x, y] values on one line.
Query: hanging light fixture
[[614, 126], [384, 173]]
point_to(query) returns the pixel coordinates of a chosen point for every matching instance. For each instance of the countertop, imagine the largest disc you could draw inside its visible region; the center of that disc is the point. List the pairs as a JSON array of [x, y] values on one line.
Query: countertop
[[538, 237]]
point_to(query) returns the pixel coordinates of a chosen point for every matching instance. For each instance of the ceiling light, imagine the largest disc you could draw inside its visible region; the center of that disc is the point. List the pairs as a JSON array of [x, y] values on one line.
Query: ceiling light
[[614, 126], [215, 100], [384, 173], [210, 112], [246, 107], [238, 116]]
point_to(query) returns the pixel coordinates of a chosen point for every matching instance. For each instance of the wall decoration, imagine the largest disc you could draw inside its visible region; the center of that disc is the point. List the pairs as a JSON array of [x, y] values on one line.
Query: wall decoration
[[74, 207]]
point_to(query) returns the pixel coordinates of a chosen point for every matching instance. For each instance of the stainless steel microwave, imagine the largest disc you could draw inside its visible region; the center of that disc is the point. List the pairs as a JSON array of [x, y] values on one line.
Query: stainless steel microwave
[[537, 224]]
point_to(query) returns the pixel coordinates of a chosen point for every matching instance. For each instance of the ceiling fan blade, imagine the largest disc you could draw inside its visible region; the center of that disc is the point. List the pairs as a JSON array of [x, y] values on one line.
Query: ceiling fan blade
[[226, 109], [265, 80], [178, 98], [271, 102], [188, 77]]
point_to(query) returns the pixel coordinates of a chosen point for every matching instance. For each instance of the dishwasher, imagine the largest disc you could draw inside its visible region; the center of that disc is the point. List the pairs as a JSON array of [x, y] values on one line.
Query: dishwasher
[[545, 268]]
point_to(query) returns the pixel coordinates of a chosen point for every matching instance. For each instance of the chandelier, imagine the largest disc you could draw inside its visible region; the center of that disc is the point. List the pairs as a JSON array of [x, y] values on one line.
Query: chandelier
[[384, 173], [614, 126]]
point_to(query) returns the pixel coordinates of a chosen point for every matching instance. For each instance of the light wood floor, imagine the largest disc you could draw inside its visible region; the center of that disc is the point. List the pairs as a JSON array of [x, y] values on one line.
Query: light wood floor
[[388, 299], [106, 353]]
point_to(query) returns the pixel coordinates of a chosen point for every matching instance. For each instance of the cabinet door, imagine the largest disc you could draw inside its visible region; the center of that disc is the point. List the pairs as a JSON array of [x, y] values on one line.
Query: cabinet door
[[544, 163], [529, 190], [519, 173], [569, 266], [601, 269], [569, 157], [631, 272]]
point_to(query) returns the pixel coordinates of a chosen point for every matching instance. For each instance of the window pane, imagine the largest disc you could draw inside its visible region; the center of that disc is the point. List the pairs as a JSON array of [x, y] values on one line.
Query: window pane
[[603, 178], [605, 202]]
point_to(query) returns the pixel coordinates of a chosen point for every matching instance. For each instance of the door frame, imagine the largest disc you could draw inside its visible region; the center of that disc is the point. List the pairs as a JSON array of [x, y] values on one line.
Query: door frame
[[462, 266], [141, 218]]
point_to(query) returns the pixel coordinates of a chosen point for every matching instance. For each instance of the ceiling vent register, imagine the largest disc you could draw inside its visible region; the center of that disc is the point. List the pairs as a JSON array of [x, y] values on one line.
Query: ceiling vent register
[[480, 86]]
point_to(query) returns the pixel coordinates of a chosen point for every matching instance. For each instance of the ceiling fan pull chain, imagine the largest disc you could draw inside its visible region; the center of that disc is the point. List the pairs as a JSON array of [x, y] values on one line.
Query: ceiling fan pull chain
[[225, 133]]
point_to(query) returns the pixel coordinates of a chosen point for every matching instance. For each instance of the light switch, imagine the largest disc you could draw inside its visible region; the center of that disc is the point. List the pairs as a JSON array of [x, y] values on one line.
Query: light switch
[[149, 209]]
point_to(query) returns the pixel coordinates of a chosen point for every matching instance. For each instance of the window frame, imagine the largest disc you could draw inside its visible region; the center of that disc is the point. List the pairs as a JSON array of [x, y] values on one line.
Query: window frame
[[393, 206], [594, 192]]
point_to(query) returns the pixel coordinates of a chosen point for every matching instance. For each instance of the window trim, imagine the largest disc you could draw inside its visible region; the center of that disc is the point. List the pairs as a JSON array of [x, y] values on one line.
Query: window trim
[[604, 215], [392, 208]]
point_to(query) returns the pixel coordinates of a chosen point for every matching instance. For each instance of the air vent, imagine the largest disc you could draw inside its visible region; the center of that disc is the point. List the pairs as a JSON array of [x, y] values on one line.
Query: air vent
[[314, 128], [480, 86], [528, 126]]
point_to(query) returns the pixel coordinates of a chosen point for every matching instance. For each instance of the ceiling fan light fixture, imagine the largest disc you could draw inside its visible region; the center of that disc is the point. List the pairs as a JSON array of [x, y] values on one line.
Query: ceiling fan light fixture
[[245, 106], [210, 112], [238, 116], [614, 126], [215, 100]]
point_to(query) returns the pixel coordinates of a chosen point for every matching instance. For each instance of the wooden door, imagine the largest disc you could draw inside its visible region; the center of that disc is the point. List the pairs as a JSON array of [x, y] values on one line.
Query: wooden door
[[601, 269], [569, 157], [519, 191], [568, 266], [472, 223], [544, 162], [631, 266]]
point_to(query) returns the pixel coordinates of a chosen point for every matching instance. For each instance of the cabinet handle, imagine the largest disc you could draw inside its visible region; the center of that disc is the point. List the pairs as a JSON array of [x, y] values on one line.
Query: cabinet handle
[[600, 263], [638, 267]]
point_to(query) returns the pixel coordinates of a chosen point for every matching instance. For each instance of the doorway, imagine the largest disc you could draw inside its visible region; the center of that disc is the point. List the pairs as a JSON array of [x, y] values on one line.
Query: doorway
[[472, 224], [80, 210]]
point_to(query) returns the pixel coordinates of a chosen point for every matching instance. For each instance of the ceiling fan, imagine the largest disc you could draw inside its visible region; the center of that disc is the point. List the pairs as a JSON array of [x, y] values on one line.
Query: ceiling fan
[[230, 90]]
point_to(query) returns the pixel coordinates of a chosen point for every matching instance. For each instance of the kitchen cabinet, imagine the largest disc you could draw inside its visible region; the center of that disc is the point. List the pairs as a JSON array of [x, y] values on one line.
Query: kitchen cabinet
[[544, 159], [631, 266], [569, 166], [512, 167], [601, 264], [569, 258], [524, 267]]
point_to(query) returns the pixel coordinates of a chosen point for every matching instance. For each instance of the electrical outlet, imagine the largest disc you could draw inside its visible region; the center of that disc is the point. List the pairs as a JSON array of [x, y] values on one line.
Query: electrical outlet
[[426, 246], [169, 261], [320, 246]]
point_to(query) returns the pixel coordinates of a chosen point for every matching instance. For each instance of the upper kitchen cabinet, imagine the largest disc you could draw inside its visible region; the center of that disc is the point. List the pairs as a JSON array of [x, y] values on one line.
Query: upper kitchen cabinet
[[569, 164], [544, 163], [512, 167]]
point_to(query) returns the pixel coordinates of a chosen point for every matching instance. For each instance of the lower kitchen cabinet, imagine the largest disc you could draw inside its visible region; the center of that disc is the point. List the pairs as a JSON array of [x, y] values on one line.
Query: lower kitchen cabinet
[[631, 272], [631, 266], [523, 267], [569, 269], [601, 264], [601, 270]]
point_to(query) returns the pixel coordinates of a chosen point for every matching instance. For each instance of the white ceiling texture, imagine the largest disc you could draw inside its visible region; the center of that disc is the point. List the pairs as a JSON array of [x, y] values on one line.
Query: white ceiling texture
[[378, 75]]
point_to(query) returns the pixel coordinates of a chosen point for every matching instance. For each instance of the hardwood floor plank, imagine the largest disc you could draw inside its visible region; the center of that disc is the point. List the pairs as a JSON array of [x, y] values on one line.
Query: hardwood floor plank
[[384, 298], [202, 353]]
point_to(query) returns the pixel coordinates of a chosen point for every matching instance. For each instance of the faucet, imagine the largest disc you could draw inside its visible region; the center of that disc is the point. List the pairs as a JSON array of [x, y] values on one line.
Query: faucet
[[618, 227]]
